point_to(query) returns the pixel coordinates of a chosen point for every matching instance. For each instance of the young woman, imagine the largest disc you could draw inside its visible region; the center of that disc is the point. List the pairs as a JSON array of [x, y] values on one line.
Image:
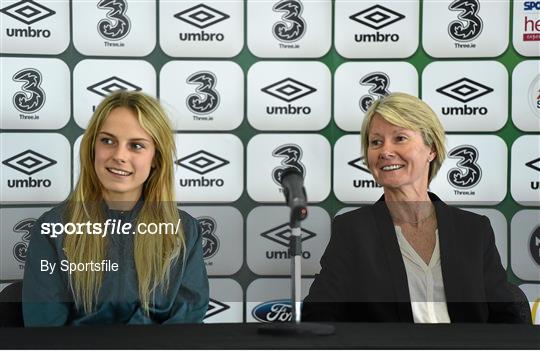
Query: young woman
[[125, 253]]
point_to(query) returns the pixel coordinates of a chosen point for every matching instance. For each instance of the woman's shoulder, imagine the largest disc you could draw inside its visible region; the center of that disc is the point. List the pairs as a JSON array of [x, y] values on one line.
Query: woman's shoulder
[[190, 225], [357, 214], [54, 214], [460, 215]]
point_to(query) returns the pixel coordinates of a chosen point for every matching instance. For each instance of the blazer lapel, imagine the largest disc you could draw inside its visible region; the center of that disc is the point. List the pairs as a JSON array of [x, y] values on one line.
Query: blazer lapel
[[396, 266], [449, 255]]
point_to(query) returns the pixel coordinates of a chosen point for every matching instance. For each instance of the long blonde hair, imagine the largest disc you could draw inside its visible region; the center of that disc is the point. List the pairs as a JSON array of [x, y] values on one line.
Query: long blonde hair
[[153, 254]]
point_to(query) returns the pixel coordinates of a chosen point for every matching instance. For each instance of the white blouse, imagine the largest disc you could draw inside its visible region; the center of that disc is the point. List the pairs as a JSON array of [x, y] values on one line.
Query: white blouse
[[426, 286]]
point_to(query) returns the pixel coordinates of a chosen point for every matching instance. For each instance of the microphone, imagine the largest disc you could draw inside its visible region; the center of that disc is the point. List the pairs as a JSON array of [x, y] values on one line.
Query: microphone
[[292, 182]]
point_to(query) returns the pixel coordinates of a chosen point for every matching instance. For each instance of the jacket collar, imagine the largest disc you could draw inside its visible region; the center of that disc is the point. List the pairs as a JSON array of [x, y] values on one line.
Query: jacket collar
[[125, 215], [445, 227]]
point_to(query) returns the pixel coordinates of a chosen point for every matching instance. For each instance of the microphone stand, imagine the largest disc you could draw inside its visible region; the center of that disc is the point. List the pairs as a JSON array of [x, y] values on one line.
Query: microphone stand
[[296, 326]]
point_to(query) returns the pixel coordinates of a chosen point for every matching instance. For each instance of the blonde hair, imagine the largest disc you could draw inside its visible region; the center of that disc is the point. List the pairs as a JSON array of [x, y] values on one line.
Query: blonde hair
[[153, 254], [407, 111]]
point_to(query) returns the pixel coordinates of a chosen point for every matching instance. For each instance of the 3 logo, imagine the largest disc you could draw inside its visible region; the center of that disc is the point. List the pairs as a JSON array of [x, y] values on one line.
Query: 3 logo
[[273, 311], [205, 100], [210, 241], [31, 98], [293, 26], [534, 245], [468, 173], [379, 83], [117, 25], [469, 25], [20, 248], [215, 307], [292, 155]]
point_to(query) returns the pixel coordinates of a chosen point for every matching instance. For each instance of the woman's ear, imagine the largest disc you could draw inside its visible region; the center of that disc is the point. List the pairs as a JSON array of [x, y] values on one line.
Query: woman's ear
[[432, 155]]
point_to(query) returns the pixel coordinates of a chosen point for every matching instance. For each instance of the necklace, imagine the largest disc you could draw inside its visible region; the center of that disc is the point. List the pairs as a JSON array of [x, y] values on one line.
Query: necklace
[[415, 222]]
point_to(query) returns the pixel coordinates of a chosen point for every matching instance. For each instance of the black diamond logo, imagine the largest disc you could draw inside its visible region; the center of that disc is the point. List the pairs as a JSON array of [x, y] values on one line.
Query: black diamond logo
[[282, 234], [360, 164], [111, 85], [29, 162], [202, 162], [534, 164], [377, 17], [288, 90], [27, 11], [215, 307], [464, 90], [201, 16]]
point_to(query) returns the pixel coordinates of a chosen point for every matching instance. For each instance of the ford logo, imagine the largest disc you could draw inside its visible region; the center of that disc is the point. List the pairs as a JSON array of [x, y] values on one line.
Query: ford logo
[[273, 311]]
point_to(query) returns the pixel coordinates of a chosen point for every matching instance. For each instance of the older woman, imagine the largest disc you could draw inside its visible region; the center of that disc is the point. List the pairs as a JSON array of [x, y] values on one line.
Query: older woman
[[409, 257]]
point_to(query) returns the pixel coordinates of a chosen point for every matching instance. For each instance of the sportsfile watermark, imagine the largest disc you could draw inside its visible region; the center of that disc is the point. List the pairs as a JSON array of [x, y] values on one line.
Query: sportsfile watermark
[[109, 227]]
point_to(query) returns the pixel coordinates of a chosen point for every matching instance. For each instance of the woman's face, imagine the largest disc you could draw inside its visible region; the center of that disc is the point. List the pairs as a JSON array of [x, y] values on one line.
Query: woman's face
[[124, 154], [397, 157]]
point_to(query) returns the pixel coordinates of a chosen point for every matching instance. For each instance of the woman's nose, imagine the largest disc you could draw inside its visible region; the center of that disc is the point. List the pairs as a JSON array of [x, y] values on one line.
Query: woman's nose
[[120, 154], [386, 152]]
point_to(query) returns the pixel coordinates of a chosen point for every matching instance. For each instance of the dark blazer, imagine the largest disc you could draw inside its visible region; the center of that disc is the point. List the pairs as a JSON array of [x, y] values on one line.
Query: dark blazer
[[363, 277]]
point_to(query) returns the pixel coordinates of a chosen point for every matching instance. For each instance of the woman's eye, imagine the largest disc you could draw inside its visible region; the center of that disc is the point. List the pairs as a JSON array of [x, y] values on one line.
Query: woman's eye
[[137, 146], [375, 142], [401, 138], [106, 141]]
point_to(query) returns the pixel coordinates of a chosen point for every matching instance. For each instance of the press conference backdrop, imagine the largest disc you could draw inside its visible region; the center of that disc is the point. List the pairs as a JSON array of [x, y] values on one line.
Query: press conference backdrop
[[253, 87]]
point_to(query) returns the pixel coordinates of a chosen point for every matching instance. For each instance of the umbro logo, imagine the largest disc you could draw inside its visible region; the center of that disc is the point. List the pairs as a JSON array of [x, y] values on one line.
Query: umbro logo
[[464, 90], [288, 90], [377, 17], [282, 234], [215, 307], [29, 162], [534, 164], [202, 162], [201, 16], [27, 11], [111, 85], [360, 164]]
